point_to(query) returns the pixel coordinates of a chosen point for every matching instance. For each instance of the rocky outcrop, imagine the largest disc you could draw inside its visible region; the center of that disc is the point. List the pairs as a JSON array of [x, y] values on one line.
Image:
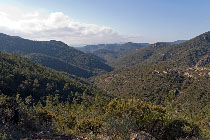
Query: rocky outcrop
[[141, 136], [203, 61]]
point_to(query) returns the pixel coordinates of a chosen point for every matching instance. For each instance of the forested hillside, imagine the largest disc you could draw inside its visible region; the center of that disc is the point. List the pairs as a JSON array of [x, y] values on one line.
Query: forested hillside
[[175, 76], [68, 56], [188, 53], [185, 90], [138, 56], [20, 75], [39, 103], [104, 70], [153, 93], [59, 65]]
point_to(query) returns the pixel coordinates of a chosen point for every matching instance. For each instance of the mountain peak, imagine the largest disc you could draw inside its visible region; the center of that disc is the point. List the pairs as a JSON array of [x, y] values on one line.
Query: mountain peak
[[204, 37]]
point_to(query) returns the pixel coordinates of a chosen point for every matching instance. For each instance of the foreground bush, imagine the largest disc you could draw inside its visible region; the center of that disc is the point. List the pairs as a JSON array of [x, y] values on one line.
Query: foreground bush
[[116, 119]]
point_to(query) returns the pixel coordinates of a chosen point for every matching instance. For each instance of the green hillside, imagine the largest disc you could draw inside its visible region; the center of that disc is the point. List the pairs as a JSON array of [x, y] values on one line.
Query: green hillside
[[39, 103], [138, 56], [184, 90], [21, 76], [59, 65], [175, 76], [188, 53], [56, 49], [153, 94]]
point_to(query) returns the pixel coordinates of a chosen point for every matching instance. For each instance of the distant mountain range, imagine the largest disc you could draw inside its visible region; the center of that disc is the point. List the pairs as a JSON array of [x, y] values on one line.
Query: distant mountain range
[[56, 55], [114, 52], [110, 52]]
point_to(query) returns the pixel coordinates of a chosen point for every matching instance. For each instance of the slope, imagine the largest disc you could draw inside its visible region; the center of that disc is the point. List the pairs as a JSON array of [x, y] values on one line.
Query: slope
[[56, 49], [19, 75], [51, 118], [58, 65], [138, 56], [188, 53], [176, 76], [184, 90]]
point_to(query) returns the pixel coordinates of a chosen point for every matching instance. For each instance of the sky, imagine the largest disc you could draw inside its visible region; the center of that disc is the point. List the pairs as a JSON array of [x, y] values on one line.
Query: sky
[[83, 22]]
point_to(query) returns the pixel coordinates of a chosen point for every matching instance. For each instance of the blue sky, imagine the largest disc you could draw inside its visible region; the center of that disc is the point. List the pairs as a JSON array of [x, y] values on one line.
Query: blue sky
[[138, 20]]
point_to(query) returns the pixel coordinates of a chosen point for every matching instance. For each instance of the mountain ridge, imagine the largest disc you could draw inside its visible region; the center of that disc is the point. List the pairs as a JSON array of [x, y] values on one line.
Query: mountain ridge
[[110, 52], [57, 49], [189, 52]]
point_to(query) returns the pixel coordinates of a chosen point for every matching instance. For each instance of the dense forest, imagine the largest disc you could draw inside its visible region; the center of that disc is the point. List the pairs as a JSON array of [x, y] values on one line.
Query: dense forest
[[187, 53], [21, 76], [184, 90], [85, 63], [159, 91], [163, 70], [138, 56]]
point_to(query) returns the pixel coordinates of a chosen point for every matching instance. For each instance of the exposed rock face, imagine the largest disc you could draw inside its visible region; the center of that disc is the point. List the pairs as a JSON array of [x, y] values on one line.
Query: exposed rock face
[[206, 37], [204, 61], [141, 136]]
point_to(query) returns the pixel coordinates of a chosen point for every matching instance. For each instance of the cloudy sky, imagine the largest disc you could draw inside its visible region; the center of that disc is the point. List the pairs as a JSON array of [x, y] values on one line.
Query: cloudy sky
[[81, 22]]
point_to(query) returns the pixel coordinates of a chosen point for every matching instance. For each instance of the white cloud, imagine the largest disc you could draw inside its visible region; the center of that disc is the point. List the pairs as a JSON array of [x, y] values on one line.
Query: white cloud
[[39, 25]]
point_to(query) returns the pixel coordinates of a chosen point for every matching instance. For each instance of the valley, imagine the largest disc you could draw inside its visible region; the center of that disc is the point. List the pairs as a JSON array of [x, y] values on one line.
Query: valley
[[161, 90]]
